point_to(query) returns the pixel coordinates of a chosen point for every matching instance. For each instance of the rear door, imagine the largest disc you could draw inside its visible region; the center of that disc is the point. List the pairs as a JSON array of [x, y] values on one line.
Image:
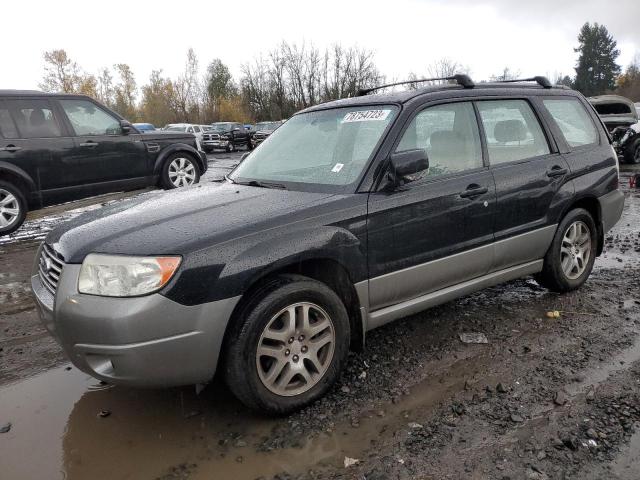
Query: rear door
[[35, 140], [102, 152], [530, 176], [436, 230]]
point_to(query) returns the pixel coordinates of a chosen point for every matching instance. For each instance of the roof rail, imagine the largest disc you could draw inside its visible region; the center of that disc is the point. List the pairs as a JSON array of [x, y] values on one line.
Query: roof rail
[[542, 81], [461, 79]]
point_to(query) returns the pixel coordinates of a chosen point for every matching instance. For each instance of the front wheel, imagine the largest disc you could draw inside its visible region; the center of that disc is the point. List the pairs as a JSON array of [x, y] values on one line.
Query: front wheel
[[289, 345], [569, 260], [13, 208], [230, 146], [179, 170]]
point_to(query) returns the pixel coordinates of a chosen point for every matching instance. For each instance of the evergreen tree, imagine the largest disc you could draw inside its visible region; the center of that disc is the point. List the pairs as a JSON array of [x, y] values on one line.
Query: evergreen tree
[[597, 69]]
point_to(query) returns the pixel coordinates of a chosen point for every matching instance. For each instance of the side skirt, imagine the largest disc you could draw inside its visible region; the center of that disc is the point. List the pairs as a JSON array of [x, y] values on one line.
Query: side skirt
[[415, 305]]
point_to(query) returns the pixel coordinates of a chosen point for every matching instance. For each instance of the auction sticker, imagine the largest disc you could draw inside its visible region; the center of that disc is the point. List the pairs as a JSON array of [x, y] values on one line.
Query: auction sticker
[[366, 116]]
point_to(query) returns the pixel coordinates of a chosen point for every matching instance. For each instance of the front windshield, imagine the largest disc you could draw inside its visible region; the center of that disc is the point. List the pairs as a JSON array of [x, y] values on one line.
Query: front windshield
[[221, 127], [267, 126], [325, 147]]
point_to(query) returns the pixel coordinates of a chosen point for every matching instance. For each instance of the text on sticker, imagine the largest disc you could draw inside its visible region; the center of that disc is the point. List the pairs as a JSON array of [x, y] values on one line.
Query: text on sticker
[[366, 116]]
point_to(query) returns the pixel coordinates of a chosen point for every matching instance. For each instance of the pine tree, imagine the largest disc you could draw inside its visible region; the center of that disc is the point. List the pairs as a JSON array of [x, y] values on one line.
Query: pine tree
[[597, 69]]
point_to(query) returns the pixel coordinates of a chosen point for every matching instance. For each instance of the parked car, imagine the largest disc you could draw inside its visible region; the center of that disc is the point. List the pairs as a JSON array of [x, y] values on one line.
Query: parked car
[[191, 128], [144, 127], [262, 131], [620, 116], [56, 147], [226, 136], [354, 214]]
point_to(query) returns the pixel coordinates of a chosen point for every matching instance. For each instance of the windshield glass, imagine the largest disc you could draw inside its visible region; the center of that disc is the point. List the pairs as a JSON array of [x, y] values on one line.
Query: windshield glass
[[221, 127], [326, 147], [175, 128], [267, 126]]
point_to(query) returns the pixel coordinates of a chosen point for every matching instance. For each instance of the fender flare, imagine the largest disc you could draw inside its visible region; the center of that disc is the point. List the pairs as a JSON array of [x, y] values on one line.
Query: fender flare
[[9, 167], [173, 148], [246, 266]]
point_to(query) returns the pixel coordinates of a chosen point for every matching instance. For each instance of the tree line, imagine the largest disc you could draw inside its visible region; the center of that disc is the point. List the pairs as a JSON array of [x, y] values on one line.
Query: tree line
[[293, 76]]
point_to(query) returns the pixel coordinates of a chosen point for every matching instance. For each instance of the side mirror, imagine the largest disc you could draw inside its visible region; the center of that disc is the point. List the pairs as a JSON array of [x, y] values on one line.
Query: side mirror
[[407, 163], [125, 126]]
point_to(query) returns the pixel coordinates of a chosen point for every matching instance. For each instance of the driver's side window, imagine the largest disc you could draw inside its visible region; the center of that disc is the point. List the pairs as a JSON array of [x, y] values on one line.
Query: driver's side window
[[449, 134], [88, 119]]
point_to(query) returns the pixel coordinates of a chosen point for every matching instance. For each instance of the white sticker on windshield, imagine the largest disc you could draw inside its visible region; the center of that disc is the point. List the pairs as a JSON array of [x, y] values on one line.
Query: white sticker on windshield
[[337, 167], [366, 116]]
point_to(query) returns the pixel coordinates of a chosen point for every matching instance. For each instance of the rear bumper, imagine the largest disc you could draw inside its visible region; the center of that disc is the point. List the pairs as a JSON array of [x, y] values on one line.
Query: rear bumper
[[611, 205], [148, 341]]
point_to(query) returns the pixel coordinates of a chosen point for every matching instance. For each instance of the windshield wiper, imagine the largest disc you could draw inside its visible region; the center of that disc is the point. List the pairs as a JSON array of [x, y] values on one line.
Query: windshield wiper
[[257, 183]]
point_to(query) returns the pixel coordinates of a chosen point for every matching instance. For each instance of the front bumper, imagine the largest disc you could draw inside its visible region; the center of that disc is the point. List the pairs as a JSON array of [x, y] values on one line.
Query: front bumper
[[148, 341], [216, 143]]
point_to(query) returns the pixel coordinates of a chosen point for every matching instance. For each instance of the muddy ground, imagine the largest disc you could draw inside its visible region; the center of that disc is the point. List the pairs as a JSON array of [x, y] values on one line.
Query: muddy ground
[[544, 398]]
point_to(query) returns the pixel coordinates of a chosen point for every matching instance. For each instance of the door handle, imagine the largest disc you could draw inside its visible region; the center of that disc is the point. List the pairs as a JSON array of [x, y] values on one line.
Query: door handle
[[556, 171], [89, 144], [474, 190], [10, 148]]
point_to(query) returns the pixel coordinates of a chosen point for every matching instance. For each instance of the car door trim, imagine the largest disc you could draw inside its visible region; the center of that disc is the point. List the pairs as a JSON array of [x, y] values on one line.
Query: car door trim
[[434, 280], [415, 305]]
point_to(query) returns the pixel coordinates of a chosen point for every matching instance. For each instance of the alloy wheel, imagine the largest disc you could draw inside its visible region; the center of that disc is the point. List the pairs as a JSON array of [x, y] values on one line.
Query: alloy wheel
[[9, 208], [575, 250], [295, 349], [182, 172]]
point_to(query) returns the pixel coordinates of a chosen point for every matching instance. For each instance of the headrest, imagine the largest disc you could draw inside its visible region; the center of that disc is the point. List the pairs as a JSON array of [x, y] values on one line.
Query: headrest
[[510, 131], [36, 118]]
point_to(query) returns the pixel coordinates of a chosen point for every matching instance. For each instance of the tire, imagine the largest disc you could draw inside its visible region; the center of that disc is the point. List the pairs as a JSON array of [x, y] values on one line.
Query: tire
[[230, 146], [13, 208], [565, 266], [207, 149], [253, 378], [179, 170], [632, 152], [250, 145]]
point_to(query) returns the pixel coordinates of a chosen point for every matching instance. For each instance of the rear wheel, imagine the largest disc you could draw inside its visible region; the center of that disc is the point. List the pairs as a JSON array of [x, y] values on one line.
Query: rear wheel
[[179, 170], [289, 345], [13, 208], [569, 260]]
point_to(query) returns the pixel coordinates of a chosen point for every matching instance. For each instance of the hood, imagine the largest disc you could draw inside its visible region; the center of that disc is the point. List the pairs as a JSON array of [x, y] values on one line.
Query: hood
[[165, 135], [179, 222]]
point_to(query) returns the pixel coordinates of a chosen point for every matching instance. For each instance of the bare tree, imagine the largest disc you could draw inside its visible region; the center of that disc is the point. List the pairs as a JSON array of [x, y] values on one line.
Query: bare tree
[[125, 92], [61, 74]]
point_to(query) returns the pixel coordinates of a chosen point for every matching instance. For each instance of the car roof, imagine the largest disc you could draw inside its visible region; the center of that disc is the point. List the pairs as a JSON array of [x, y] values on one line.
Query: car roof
[[36, 93], [479, 90]]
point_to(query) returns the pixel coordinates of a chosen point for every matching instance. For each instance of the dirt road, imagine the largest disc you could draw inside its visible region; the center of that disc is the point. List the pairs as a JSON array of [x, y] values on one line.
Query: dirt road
[[544, 398]]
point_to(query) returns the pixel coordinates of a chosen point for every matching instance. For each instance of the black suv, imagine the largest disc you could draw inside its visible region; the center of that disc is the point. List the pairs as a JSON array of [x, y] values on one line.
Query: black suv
[[57, 147], [356, 213], [226, 136]]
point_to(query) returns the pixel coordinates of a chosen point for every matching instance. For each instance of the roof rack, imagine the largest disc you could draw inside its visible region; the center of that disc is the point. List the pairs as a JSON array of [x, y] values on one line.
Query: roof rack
[[542, 81], [461, 79]]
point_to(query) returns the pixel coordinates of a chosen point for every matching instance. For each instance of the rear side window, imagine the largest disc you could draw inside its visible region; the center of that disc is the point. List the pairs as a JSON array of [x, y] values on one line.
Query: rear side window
[[573, 120], [7, 127], [512, 131], [449, 133], [34, 118]]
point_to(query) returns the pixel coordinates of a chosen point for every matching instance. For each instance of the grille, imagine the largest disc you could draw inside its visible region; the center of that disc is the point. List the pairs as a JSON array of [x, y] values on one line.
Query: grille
[[260, 136], [50, 267], [211, 136]]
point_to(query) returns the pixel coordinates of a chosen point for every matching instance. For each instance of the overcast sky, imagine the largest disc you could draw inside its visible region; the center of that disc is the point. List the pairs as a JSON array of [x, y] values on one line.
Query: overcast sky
[[406, 35]]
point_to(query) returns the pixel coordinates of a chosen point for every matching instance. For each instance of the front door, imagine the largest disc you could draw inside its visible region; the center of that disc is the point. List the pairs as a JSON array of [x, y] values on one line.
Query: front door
[[103, 152], [436, 230]]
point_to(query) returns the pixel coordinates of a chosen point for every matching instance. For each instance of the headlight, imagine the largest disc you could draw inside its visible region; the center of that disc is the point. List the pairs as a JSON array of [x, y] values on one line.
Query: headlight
[[124, 276]]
